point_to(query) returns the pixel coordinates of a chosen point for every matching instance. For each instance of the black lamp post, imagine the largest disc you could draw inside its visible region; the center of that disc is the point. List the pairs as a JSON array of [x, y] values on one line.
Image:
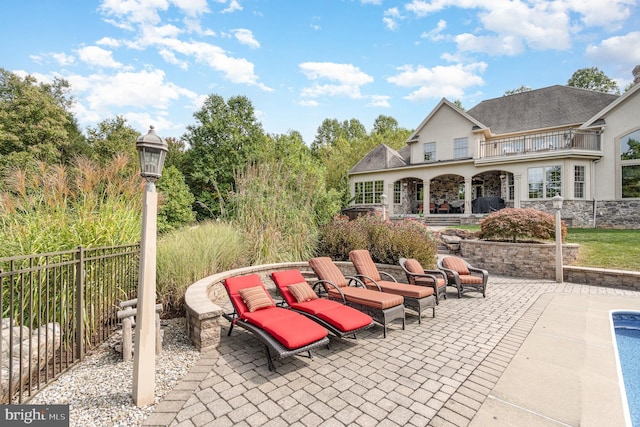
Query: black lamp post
[[152, 150]]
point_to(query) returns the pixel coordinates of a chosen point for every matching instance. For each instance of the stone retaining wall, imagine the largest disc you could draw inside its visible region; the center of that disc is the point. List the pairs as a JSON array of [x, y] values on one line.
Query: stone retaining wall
[[530, 260]]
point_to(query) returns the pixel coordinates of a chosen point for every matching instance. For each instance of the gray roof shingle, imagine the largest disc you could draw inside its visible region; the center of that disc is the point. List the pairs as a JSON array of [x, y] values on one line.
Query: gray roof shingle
[[381, 157], [539, 109]]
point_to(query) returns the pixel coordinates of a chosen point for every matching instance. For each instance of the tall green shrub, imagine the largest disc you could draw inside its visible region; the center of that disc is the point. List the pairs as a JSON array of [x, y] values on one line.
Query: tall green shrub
[[176, 201], [386, 241], [276, 210], [55, 207], [188, 254]]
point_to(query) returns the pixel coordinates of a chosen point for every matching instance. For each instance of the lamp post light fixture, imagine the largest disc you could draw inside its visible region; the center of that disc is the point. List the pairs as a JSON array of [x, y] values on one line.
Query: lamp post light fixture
[[557, 205], [152, 150], [383, 200]]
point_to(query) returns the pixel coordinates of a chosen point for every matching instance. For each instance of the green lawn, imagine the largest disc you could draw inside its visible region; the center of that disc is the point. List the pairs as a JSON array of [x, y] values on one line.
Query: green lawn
[[613, 249], [604, 248]]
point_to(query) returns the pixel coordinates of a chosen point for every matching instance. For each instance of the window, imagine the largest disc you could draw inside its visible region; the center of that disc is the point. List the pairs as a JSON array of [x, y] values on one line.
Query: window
[[461, 148], [419, 192], [630, 164], [397, 192], [368, 192], [631, 181], [544, 183], [578, 182], [429, 151]]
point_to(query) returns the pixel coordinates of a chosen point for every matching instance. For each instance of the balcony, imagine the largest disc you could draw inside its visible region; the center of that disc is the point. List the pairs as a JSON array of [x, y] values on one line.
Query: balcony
[[541, 143]]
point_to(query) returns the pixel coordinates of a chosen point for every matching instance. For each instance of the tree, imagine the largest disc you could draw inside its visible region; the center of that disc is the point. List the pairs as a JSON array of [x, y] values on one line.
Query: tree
[[331, 130], [34, 121], [177, 201], [384, 125], [593, 79], [521, 89], [225, 139], [113, 136], [458, 103]]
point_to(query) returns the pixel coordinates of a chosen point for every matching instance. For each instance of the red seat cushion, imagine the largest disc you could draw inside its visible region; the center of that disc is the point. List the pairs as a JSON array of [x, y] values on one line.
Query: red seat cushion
[[342, 317], [291, 329]]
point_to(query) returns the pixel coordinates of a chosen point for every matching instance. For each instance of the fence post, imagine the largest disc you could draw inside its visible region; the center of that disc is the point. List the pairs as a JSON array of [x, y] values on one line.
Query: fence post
[[80, 303]]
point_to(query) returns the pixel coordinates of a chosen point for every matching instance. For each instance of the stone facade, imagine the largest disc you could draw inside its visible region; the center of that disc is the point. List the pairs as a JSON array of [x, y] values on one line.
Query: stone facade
[[623, 214]]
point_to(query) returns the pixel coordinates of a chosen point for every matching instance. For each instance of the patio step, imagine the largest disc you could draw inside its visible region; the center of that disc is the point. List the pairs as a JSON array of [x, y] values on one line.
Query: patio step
[[442, 220]]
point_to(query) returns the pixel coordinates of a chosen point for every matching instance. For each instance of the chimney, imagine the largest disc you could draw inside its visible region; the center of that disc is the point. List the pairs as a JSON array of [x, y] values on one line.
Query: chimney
[[636, 75]]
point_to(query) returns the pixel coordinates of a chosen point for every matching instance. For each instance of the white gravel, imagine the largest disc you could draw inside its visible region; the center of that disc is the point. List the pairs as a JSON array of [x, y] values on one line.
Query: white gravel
[[99, 388]]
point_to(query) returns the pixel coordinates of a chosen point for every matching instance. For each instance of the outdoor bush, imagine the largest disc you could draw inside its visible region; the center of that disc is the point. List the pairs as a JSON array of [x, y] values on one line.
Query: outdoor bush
[[55, 207], [176, 201], [189, 254], [519, 224], [386, 241], [276, 209]]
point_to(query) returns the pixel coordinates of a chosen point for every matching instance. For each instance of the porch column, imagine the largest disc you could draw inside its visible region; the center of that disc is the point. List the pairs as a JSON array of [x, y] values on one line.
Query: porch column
[[467, 195], [426, 196], [517, 190], [389, 192]]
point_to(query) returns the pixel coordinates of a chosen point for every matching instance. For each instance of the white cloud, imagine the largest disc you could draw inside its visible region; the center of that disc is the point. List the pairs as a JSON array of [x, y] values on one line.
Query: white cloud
[[436, 33], [236, 70], [391, 18], [604, 13], [621, 50], [375, 2], [379, 101], [245, 37], [440, 81], [308, 103], [492, 45], [142, 89], [96, 56], [508, 26], [108, 41], [348, 79], [134, 11], [192, 7], [234, 6]]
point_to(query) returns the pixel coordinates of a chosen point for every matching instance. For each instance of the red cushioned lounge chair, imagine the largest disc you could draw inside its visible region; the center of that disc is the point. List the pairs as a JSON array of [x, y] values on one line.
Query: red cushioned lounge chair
[[383, 308], [416, 275], [339, 319], [415, 297], [283, 331], [463, 276]]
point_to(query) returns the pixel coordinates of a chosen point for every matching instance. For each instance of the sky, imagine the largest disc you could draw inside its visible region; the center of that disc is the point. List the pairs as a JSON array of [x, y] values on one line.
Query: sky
[[300, 62]]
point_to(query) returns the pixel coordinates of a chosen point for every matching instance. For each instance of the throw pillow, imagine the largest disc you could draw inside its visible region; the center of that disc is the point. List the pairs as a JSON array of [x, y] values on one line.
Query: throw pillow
[[302, 292], [255, 298]]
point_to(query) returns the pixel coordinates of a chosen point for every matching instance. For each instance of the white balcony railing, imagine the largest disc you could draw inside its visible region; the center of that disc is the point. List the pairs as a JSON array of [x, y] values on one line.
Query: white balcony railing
[[569, 139]]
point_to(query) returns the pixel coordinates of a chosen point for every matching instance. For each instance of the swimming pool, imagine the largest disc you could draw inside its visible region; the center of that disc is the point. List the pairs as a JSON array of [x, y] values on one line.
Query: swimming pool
[[626, 336]]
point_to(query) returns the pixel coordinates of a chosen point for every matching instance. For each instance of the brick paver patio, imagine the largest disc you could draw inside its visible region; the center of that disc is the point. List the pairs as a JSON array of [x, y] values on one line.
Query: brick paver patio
[[435, 374]]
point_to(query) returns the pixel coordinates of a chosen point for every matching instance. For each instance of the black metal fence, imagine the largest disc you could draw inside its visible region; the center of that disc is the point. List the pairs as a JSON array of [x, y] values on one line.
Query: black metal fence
[[55, 307]]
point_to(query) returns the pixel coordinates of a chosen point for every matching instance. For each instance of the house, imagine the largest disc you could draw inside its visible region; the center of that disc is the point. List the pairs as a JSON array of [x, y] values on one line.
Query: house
[[518, 150]]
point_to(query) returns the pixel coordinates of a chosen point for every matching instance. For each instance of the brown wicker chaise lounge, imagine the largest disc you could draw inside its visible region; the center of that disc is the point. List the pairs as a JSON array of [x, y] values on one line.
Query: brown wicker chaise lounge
[[416, 297], [338, 318], [463, 275], [282, 331], [416, 275], [383, 308]]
